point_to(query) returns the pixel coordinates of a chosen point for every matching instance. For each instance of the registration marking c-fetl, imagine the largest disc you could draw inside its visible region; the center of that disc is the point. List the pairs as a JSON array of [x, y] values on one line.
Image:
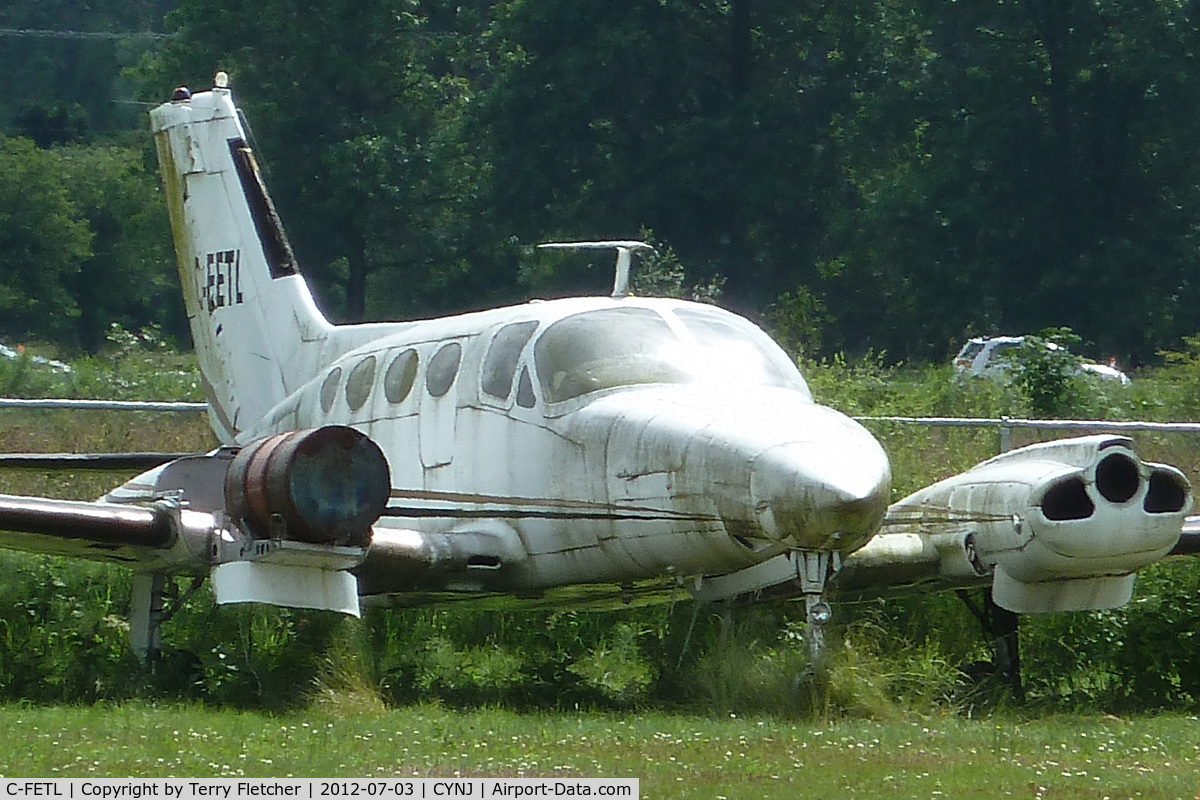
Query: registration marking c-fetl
[[221, 281]]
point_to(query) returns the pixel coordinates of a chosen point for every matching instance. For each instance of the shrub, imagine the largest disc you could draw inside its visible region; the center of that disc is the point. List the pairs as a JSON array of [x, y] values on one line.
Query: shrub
[[1048, 373]]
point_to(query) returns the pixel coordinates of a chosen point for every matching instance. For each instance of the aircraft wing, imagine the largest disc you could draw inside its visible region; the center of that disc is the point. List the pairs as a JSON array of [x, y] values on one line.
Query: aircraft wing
[[1058, 526], [281, 520]]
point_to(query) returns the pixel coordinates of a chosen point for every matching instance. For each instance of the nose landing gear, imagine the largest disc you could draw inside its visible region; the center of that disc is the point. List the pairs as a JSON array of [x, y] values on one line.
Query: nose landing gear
[[814, 568]]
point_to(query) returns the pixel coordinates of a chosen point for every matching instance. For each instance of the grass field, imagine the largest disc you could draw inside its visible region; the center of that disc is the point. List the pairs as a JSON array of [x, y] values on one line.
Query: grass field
[[920, 754], [674, 756]]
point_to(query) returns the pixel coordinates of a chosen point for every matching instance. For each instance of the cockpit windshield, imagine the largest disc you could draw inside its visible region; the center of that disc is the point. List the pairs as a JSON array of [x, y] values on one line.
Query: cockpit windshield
[[613, 347]]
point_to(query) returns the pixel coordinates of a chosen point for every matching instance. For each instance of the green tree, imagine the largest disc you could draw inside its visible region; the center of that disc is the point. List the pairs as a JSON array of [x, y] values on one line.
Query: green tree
[[355, 108], [1021, 166], [130, 276], [1048, 373], [63, 63], [703, 121], [43, 244]]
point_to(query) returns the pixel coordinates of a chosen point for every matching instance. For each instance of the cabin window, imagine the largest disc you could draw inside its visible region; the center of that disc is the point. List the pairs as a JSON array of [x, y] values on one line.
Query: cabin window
[[400, 376], [599, 350], [614, 347], [359, 382], [500, 365], [443, 368], [329, 389], [525, 396], [737, 350]]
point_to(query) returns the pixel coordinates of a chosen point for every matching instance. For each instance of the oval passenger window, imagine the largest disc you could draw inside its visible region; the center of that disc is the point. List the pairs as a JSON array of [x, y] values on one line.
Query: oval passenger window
[[400, 376], [443, 368], [358, 384], [329, 389]]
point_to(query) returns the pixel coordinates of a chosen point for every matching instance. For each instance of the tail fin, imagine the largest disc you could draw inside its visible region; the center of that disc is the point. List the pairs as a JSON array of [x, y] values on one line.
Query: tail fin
[[253, 319]]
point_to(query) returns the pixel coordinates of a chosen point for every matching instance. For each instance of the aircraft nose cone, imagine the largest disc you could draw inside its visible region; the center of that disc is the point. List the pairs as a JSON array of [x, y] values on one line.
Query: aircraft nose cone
[[823, 495]]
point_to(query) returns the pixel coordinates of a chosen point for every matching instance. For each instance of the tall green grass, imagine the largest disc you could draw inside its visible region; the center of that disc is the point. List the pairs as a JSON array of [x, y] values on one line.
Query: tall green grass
[[62, 624]]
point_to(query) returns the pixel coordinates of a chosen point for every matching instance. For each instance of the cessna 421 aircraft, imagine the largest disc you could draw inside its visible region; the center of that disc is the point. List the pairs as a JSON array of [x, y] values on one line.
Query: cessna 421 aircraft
[[575, 451]]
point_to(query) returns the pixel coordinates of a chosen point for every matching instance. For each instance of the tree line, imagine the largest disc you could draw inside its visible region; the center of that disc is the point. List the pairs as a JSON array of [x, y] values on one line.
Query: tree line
[[859, 176]]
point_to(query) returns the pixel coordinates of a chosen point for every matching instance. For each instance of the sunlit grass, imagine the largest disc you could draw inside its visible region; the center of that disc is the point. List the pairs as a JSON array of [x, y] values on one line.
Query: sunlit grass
[[673, 755]]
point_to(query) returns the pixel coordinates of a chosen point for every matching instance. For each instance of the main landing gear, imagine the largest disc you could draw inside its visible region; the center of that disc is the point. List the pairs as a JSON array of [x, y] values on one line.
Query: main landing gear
[[1002, 626], [148, 612]]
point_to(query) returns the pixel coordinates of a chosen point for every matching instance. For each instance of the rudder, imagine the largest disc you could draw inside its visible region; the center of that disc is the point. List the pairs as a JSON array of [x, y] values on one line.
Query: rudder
[[255, 326]]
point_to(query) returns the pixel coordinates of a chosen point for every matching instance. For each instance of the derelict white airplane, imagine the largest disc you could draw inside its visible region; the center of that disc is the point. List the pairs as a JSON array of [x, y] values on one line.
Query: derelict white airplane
[[570, 451]]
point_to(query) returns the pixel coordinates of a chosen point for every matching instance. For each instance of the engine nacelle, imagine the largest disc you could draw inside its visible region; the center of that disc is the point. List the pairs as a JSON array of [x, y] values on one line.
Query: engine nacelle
[[1061, 526], [323, 485]]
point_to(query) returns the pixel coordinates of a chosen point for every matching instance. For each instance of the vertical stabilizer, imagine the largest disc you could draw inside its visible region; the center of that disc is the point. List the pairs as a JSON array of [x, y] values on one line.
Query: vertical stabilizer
[[253, 319]]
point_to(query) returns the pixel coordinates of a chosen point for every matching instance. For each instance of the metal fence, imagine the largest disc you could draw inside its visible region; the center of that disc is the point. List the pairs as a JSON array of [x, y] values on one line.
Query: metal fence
[[1179, 451], [103, 405], [1006, 425]]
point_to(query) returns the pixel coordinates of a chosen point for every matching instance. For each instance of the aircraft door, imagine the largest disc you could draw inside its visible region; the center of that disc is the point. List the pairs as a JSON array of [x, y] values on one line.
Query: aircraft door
[[439, 402]]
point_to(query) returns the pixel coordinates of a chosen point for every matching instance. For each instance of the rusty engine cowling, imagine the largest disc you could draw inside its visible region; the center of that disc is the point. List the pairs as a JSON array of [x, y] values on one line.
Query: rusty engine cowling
[[323, 486]]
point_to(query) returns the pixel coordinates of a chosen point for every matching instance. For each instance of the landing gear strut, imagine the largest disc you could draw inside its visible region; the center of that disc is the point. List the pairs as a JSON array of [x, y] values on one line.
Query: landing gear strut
[[1003, 627], [147, 612], [814, 568], [145, 616]]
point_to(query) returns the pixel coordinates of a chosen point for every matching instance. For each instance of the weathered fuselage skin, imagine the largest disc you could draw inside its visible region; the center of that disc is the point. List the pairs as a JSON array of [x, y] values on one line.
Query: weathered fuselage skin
[[618, 485]]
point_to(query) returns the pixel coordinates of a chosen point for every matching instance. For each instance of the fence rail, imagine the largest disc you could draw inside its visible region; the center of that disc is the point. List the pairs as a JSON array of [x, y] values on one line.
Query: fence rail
[[1003, 425], [1006, 425], [1043, 424], [103, 405]]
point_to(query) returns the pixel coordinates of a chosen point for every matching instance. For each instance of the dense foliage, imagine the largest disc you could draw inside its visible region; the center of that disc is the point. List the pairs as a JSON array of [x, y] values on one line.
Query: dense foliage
[[63, 61], [63, 628], [867, 176]]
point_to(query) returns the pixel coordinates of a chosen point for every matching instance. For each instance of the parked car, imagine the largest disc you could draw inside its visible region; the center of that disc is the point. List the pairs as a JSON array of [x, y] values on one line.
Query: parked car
[[992, 356], [57, 366]]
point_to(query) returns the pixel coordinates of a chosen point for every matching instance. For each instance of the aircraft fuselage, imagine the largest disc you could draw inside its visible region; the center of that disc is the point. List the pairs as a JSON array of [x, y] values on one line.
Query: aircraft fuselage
[[599, 440]]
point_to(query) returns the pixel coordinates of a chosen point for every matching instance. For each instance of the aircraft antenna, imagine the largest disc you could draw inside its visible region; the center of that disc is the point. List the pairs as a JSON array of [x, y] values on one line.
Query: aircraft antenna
[[625, 249]]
